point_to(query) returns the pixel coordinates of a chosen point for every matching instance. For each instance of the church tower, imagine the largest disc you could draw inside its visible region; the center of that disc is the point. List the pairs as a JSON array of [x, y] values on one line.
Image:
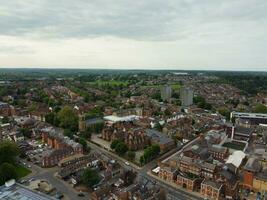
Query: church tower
[[82, 123]]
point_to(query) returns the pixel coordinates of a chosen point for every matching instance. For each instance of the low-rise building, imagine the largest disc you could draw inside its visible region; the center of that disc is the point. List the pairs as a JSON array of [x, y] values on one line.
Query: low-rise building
[[188, 181], [61, 146], [211, 189], [161, 139], [168, 173], [11, 191], [76, 163], [219, 152]]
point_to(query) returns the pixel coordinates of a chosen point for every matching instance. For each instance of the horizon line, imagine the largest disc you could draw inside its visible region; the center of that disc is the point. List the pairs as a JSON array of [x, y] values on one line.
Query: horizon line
[[124, 69]]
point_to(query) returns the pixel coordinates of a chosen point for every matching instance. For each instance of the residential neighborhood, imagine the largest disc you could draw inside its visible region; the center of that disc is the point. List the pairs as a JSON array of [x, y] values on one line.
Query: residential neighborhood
[[133, 136]]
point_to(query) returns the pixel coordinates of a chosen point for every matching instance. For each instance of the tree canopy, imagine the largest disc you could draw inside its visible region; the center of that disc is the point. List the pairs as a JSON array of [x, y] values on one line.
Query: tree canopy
[[90, 177], [260, 108], [201, 103], [131, 155], [7, 172], [8, 152], [68, 118], [119, 146], [114, 144], [150, 153]]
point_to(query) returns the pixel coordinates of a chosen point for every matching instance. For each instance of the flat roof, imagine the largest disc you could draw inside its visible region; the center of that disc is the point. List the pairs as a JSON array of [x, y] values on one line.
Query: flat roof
[[236, 158], [114, 118], [249, 115], [18, 192], [156, 170]]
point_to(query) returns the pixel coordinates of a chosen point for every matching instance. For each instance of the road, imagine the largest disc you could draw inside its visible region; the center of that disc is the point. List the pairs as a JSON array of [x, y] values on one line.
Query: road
[[48, 174], [177, 193]]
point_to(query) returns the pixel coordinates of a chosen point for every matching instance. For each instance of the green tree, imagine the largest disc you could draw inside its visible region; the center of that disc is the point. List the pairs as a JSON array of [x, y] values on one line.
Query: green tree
[[114, 143], [26, 132], [33, 107], [68, 118], [260, 108], [131, 155], [142, 160], [95, 112], [7, 172], [86, 134], [90, 177], [225, 112], [5, 120], [201, 103], [8, 152], [49, 118], [96, 128], [68, 133], [156, 96], [83, 142], [150, 153], [121, 148]]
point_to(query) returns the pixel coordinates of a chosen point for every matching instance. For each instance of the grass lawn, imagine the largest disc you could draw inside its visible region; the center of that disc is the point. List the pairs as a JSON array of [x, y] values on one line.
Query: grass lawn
[[234, 145], [174, 86], [22, 171]]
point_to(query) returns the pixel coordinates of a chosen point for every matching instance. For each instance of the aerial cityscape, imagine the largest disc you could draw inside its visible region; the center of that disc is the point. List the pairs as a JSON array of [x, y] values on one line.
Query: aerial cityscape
[[133, 100], [133, 134]]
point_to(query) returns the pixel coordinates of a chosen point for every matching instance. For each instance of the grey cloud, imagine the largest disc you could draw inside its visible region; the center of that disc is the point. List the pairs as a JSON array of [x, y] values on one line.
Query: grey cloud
[[15, 49], [134, 19]]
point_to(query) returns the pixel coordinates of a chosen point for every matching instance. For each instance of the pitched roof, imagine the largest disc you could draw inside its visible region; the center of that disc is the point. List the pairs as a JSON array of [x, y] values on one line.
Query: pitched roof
[[158, 136], [253, 165], [213, 184]]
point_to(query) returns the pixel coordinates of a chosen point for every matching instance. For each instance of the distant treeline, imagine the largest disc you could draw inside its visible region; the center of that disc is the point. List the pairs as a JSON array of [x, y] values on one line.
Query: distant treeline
[[251, 83]]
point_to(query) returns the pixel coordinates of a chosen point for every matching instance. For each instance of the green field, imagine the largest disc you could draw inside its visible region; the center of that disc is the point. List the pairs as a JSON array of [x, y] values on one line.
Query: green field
[[22, 171], [174, 86], [234, 145]]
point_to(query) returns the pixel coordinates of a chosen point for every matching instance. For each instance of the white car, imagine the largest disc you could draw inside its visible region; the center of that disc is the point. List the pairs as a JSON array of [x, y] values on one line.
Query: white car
[[126, 163]]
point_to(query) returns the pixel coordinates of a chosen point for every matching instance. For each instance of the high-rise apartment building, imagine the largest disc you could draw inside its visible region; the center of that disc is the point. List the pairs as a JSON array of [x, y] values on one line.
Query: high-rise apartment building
[[166, 93], [186, 96]]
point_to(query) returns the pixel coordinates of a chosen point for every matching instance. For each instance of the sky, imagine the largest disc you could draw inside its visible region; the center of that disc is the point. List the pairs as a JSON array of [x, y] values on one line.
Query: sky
[[134, 34]]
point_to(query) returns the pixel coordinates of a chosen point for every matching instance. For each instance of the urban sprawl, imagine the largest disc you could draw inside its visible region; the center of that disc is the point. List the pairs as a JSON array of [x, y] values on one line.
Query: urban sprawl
[[141, 135]]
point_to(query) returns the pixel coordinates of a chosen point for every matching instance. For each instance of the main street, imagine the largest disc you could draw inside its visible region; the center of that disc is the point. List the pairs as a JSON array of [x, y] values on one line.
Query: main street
[[61, 186], [177, 193]]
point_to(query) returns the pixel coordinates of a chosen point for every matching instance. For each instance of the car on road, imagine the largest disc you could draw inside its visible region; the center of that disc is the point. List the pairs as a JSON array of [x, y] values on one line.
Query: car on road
[[32, 179], [23, 181], [96, 188], [81, 194], [127, 163]]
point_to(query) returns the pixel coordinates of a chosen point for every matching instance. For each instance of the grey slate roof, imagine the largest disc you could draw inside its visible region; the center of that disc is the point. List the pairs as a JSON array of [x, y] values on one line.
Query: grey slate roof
[[94, 121], [253, 165], [161, 138]]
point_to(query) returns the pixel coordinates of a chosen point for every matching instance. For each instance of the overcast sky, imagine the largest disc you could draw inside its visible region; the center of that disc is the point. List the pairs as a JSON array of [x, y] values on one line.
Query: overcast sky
[[143, 34]]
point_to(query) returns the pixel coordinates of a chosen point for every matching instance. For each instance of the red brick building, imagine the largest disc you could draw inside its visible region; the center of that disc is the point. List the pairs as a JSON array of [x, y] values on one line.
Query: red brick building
[[62, 147], [168, 173], [219, 152], [211, 189], [188, 182]]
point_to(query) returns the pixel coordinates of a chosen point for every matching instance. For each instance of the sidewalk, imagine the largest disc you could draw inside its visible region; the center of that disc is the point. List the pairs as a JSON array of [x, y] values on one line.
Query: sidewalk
[[100, 148], [197, 194]]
